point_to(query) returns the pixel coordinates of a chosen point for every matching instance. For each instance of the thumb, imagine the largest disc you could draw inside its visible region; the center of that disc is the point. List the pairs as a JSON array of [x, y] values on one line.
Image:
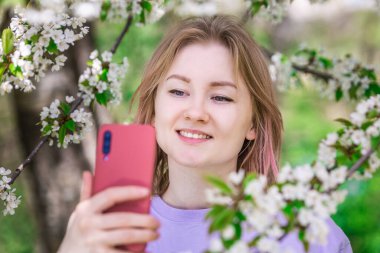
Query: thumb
[[86, 189]]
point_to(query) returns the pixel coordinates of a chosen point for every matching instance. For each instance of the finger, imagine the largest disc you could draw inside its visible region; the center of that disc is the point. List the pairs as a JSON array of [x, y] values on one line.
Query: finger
[[86, 186], [127, 236], [125, 219], [111, 196]]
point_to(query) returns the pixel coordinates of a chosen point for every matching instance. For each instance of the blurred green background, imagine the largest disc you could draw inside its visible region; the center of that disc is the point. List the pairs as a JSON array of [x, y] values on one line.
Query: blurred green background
[[307, 116]]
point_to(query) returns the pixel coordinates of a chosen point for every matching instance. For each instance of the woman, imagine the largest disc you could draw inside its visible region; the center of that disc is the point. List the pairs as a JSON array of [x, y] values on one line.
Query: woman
[[207, 92]]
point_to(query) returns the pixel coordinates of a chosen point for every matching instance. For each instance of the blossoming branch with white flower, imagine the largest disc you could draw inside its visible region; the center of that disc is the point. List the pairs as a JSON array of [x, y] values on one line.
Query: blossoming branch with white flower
[[342, 78], [30, 49], [303, 197], [102, 79]]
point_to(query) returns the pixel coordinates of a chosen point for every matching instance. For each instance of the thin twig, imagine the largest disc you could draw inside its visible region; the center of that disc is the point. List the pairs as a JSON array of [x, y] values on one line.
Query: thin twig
[[28, 160], [123, 32], [360, 162], [319, 74]]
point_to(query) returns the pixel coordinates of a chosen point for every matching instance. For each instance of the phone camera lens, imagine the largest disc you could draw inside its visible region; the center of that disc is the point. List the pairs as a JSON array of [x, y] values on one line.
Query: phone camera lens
[[107, 142]]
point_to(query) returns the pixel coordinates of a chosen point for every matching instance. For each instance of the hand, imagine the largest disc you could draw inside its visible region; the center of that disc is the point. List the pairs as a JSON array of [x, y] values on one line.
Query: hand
[[92, 231]]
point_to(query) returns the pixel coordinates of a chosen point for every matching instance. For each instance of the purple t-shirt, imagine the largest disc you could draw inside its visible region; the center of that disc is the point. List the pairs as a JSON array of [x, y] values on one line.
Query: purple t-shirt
[[186, 231]]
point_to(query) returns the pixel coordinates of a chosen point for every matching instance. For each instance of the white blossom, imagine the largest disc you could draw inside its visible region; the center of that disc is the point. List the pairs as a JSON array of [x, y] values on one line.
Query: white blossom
[[256, 187], [236, 177], [216, 245], [229, 232], [317, 231], [107, 56], [268, 245], [7, 194], [69, 99], [303, 174], [285, 174], [36, 41], [216, 197], [90, 82], [331, 139], [51, 115], [239, 247], [326, 155]]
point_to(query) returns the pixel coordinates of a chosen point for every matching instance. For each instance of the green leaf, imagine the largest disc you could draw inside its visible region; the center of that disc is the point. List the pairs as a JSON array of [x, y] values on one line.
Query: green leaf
[[214, 211], [345, 122], [222, 220], [52, 47], [16, 71], [2, 69], [146, 5], [238, 231], [375, 141], [256, 6], [7, 40], [372, 114], [374, 87], [35, 38], [366, 124], [327, 63], [86, 83], [353, 91], [70, 124], [370, 73], [301, 236], [65, 107], [104, 75], [46, 130], [248, 178], [104, 97], [106, 5], [338, 94], [62, 134], [142, 17], [240, 216], [220, 184]]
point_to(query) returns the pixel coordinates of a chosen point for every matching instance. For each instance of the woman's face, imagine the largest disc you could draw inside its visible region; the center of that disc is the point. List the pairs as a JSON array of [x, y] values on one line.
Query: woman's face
[[202, 114]]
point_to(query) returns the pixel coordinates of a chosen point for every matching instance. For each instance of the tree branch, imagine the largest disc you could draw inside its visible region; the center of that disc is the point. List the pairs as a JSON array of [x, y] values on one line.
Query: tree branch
[[321, 75], [28, 160], [123, 32], [360, 162]]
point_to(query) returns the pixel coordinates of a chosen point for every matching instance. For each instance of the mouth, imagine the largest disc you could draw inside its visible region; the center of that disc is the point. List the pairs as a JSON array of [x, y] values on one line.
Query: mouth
[[194, 134]]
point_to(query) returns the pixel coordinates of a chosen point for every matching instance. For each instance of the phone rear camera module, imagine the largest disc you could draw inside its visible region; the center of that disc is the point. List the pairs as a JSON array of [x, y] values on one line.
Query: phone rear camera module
[[107, 142]]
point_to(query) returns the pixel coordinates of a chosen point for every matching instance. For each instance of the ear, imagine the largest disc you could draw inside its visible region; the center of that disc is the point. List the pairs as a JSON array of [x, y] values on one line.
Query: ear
[[251, 134]]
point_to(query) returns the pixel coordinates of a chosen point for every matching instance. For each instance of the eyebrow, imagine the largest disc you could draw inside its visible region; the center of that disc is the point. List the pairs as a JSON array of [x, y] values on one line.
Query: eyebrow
[[213, 84]]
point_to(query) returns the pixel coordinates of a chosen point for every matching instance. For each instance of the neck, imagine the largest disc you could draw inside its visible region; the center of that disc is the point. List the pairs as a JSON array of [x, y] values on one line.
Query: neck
[[187, 185]]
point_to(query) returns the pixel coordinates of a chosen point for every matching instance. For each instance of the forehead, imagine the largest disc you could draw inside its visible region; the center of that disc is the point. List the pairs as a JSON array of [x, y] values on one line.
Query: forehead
[[209, 60]]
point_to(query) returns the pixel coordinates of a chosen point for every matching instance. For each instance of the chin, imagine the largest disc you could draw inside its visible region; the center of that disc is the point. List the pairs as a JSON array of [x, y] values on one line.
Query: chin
[[191, 161]]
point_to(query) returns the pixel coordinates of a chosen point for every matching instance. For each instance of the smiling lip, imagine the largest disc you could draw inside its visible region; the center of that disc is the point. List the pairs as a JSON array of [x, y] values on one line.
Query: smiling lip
[[193, 140]]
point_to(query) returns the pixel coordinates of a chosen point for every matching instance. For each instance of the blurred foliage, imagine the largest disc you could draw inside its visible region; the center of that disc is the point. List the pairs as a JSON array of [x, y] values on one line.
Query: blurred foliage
[[307, 117]]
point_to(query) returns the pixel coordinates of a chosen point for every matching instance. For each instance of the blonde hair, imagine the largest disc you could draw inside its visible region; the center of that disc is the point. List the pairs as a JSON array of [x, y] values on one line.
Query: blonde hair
[[260, 155]]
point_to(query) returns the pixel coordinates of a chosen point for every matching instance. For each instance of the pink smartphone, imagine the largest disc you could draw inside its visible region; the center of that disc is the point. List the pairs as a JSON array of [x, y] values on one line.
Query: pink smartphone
[[125, 155]]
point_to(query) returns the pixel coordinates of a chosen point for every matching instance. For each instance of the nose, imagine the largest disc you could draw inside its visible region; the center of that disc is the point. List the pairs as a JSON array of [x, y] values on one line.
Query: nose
[[197, 111]]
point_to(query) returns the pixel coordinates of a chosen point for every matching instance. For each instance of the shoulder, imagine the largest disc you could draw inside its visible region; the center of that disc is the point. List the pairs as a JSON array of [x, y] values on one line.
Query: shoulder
[[338, 237]]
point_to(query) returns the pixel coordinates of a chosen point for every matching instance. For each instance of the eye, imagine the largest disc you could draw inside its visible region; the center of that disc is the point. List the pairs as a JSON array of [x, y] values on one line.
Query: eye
[[222, 99], [177, 93]]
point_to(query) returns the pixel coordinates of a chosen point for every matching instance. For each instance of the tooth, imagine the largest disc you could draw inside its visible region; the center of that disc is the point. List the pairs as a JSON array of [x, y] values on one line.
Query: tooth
[[194, 135]]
